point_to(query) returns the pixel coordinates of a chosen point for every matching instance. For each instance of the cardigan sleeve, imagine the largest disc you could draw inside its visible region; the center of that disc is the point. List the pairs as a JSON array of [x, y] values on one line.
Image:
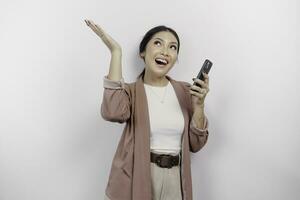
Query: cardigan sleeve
[[116, 102], [197, 137]]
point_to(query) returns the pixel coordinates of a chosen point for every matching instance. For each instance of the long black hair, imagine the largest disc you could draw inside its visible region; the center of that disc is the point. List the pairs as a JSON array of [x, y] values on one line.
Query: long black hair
[[148, 37]]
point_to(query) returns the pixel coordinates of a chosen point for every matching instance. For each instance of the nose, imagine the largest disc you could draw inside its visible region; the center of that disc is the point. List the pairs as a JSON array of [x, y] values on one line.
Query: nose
[[164, 52]]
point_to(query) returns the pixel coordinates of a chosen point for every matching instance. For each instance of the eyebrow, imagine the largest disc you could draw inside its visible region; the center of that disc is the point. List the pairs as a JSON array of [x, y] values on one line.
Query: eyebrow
[[163, 40]]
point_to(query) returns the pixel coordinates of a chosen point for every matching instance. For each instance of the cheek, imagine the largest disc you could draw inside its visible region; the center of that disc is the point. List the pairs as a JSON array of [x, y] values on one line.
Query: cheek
[[174, 58], [149, 53]]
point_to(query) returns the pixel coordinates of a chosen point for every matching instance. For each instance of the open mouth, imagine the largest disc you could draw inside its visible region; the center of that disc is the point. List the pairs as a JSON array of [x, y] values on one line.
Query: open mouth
[[161, 62]]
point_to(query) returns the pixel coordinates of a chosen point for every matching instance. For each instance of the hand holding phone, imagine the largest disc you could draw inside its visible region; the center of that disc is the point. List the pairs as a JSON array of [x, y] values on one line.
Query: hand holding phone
[[205, 68]]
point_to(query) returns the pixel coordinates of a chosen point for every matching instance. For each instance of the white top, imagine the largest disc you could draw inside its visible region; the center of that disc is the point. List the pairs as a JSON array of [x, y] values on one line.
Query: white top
[[166, 119]]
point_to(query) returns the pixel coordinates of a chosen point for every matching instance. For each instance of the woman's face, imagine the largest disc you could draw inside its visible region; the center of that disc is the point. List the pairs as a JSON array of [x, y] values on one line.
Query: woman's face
[[160, 53]]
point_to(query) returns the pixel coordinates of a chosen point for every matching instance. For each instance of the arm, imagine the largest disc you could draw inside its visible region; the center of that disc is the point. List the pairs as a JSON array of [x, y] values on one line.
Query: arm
[[198, 130], [198, 125], [116, 103]]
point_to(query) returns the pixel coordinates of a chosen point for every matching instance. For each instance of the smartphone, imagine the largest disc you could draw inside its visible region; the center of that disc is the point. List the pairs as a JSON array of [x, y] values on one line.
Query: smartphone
[[205, 68]]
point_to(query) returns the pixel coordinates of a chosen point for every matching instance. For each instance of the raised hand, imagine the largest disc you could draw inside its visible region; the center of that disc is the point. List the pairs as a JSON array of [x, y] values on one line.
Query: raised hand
[[107, 39]]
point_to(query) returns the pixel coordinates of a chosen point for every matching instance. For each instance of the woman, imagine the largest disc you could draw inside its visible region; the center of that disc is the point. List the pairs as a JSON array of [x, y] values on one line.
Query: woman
[[164, 118]]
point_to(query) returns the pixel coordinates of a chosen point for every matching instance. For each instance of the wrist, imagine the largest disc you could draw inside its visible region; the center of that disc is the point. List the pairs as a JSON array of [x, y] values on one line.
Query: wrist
[[199, 106], [116, 52]]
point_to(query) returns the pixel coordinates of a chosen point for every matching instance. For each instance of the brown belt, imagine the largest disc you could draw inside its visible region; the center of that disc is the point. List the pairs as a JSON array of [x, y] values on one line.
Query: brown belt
[[164, 160]]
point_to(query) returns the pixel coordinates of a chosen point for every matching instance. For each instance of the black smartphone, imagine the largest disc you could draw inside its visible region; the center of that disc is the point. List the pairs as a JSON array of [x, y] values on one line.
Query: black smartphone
[[205, 68]]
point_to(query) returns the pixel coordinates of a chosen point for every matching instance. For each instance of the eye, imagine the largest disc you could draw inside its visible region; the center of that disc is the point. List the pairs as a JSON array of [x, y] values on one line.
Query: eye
[[157, 42], [175, 48]]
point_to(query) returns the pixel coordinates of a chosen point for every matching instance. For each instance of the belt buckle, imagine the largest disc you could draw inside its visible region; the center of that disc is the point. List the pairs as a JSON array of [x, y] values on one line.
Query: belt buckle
[[162, 161]]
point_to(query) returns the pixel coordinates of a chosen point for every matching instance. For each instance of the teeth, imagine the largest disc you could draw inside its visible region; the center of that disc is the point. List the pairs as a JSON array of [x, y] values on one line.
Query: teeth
[[162, 60]]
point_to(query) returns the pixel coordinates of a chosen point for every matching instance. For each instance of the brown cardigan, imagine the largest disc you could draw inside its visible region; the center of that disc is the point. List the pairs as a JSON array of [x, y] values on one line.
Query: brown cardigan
[[130, 174]]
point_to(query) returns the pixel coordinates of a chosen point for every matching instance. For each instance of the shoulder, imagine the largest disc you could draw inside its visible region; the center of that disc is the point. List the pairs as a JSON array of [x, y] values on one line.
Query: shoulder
[[184, 84], [180, 82]]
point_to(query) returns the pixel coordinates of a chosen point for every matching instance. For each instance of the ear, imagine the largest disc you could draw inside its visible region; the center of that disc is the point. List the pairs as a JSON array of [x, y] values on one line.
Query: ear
[[142, 55]]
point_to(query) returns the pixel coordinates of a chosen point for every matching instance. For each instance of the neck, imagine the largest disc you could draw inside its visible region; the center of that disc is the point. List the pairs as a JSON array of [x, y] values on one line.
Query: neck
[[155, 80]]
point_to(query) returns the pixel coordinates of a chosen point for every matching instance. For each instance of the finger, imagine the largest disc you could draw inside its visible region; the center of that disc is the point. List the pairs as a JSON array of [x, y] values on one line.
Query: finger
[[87, 22], [206, 77], [201, 83], [195, 87], [99, 28], [197, 94], [206, 81], [100, 31], [197, 80], [96, 29], [91, 22], [203, 91], [93, 25], [198, 90], [193, 93], [205, 86]]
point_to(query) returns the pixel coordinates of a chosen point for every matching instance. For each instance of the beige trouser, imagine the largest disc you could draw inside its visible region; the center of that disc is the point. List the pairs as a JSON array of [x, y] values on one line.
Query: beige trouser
[[166, 183]]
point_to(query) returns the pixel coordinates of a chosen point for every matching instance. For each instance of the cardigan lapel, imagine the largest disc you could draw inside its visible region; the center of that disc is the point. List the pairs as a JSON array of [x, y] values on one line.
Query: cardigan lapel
[[142, 171]]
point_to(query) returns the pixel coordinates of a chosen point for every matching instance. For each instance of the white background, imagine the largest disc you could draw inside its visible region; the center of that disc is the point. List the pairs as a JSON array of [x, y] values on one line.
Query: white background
[[54, 145]]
